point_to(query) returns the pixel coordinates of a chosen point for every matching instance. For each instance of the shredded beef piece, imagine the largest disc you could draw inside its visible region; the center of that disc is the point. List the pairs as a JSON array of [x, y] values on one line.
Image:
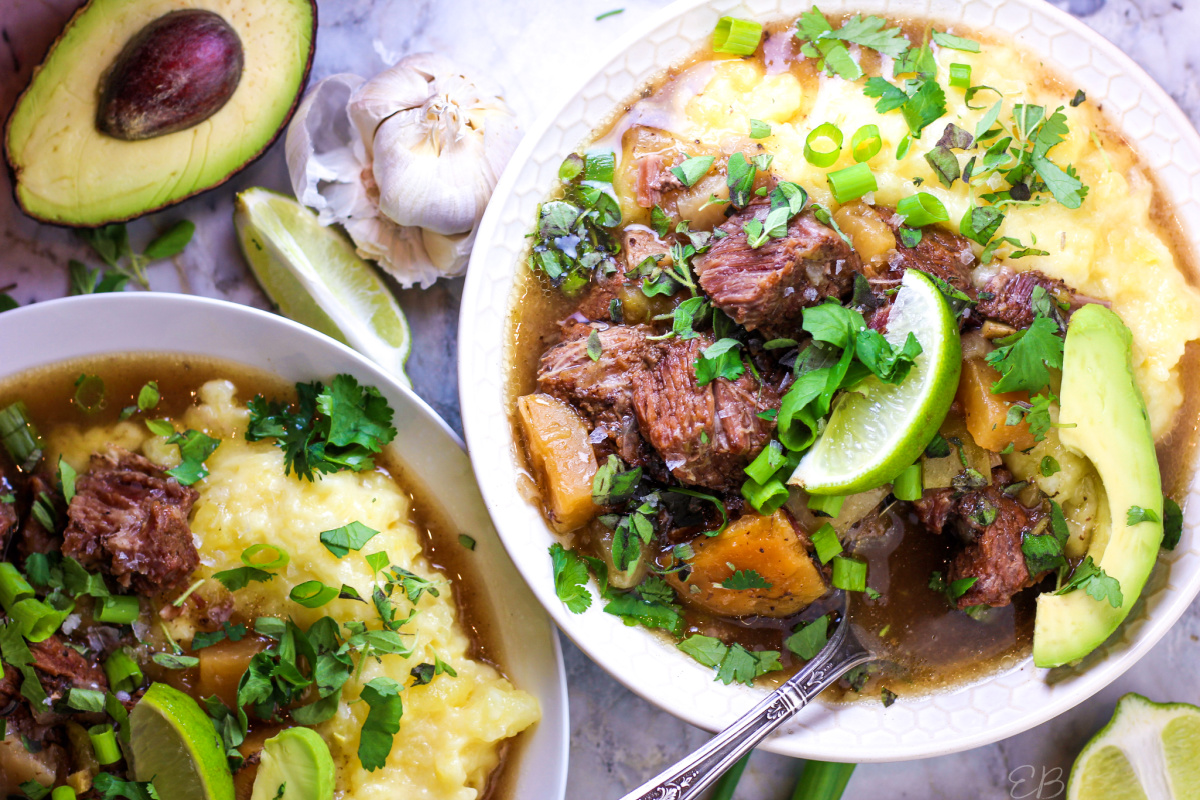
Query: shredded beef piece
[[601, 390], [10, 691], [129, 519], [992, 553], [1011, 300], [767, 288], [706, 434], [60, 667], [654, 179], [940, 253]]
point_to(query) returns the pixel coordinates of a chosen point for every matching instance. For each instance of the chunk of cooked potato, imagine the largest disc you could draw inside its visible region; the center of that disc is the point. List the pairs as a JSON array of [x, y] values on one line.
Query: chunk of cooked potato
[[986, 412], [872, 237], [772, 547], [558, 446]]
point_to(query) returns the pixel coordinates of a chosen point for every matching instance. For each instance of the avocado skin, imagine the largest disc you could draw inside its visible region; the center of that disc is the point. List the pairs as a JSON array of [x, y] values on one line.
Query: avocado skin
[[177, 72], [14, 170], [1100, 397]]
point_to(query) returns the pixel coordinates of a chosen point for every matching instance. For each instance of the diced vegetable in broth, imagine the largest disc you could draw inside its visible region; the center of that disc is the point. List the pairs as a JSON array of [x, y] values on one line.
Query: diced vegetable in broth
[[771, 547], [987, 413], [562, 456]]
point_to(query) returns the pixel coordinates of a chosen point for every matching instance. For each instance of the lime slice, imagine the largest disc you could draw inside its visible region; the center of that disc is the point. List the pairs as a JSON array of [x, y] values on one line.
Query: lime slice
[[176, 747], [879, 428], [312, 273], [296, 765], [1147, 751]]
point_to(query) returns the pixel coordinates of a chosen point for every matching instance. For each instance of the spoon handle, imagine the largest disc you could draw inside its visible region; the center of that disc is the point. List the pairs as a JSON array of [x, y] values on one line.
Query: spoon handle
[[691, 776]]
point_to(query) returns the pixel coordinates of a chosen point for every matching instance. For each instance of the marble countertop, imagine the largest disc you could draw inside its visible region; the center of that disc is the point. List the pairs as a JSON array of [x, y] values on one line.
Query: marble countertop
[[537, 49]]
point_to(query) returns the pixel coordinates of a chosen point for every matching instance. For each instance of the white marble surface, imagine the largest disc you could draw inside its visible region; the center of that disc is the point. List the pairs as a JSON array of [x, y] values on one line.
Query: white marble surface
[[536, 49]]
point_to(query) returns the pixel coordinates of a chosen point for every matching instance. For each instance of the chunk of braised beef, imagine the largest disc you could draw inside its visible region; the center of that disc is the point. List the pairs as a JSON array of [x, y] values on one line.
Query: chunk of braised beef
[[130, 519], [60, 668], [706, 435], [654, 179], [992, 527], [1008, 297], [941, 253], [601, 390], [767, 288]]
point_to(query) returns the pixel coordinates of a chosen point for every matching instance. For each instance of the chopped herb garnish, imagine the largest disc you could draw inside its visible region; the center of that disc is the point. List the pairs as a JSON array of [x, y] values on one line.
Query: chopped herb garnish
[[354, 536], [382, 696], [745, 579], [692, 169], [732, 663], [1090, 577], [570, 579], [194, 448], [1137, 515], [608, 14], [809, 638], [1172, 524]]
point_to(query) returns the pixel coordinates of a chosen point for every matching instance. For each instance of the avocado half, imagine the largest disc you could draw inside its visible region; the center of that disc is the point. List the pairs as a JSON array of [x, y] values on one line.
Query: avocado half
[[66, 171], [1105, 419]]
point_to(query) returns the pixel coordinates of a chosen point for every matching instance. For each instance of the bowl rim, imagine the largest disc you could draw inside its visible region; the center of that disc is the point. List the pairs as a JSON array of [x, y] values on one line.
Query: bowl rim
[[117, 309], [473, 406]]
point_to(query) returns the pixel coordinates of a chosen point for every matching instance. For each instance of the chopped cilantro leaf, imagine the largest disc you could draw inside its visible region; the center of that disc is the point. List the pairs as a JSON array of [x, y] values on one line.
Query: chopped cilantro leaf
[[382, 696], [1136, 515], [340, 541], [1023, 358], [745, 579], [570, 579], [194, 448], [809, 639], [692, 169], [955, 42], [1043, 553], [1092, 578], [719, 360]]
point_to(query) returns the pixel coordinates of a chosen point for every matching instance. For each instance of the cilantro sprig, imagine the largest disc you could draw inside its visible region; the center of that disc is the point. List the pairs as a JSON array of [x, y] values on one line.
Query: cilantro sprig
[[731, 662], [330, 428]]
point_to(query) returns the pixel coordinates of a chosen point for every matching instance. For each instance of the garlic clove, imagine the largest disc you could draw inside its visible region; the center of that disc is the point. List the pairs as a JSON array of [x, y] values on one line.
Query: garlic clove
[[397, 89], [326, 157]]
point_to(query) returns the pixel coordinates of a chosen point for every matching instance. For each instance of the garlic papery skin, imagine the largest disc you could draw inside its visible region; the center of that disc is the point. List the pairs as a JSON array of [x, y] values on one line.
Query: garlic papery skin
[[405, 162]]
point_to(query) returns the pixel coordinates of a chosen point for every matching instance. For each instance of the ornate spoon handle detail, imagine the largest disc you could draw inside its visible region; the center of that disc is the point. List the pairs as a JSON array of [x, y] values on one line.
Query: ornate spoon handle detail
[[687, 779]]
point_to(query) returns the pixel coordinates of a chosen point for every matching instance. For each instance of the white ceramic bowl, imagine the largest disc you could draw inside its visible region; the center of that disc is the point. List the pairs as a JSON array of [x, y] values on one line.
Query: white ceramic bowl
[[46, 333], [957, 720]]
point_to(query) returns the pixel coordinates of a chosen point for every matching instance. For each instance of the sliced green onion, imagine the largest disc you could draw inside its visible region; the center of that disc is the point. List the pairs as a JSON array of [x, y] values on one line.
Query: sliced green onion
[[960, 76], [829, 504], [280, 560], [63, 792], [865, 144], [907, 485], [737, 36], [124, 674], [116, 609], [600, 166], [826, 543], [765, 497], [922, 209], [21, 439], [13, 586], [104, 742], [851, 183], [767, 463], [89, 392], [828, 156], [312, 594], [849, 574], [37, 620], [570, 168]]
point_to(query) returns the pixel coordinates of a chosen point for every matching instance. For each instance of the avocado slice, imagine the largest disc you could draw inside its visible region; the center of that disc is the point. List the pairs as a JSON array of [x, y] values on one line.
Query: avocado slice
[[1101, 399], [68, 171]]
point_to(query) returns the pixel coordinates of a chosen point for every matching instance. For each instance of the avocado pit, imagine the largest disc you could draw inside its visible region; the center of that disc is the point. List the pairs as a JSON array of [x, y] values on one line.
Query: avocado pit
[[175, 73]]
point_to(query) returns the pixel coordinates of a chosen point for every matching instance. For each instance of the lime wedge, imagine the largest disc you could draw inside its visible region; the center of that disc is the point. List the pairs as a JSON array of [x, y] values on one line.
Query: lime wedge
[[1148, 750], [296, 765], [176, 747], [879, 428], [312, 273]]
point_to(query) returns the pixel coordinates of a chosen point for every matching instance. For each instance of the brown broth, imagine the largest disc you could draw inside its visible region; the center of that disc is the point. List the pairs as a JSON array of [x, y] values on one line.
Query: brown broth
[[49, 393], [932, 647]]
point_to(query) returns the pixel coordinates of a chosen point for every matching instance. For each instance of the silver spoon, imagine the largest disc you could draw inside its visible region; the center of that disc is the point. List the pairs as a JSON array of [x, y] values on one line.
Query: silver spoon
[[691, 776]]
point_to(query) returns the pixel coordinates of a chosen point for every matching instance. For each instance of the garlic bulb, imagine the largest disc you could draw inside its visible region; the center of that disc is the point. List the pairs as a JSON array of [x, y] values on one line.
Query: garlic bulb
[[405, 162]]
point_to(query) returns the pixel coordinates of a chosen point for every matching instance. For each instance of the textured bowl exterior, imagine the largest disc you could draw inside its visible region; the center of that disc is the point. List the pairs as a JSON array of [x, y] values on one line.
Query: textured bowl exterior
[[46, 333], [955, 720]]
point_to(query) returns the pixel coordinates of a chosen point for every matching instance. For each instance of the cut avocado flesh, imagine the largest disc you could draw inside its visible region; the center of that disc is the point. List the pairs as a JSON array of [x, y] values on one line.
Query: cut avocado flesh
[[295, 765], [68, 172], [1100, 398]]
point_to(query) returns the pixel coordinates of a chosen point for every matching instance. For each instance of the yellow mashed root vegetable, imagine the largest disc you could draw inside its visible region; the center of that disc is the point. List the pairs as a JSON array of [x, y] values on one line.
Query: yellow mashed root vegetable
[[452, 728], [1109, 248]]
